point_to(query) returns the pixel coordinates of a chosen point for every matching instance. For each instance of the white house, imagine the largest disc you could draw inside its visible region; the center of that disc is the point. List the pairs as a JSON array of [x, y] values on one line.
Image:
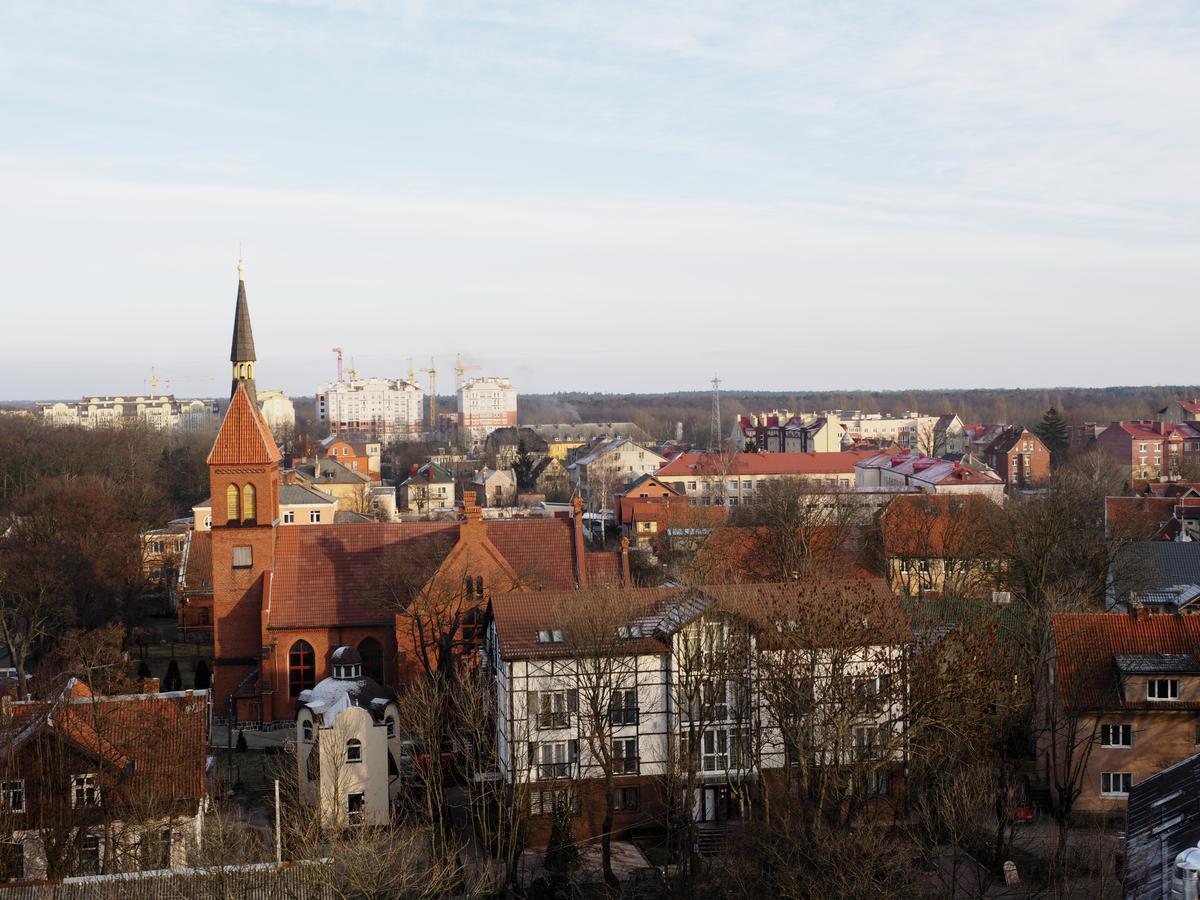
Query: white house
[[348, 745], [607, 465], [928, 474]]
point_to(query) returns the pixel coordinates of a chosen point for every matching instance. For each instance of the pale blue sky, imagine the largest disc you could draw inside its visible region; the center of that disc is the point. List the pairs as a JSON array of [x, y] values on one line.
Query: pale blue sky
[[601, 195]]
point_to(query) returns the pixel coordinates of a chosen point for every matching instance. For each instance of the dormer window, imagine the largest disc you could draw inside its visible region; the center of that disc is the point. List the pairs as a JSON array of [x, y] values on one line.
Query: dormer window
[[1162, 689], [549, 636]]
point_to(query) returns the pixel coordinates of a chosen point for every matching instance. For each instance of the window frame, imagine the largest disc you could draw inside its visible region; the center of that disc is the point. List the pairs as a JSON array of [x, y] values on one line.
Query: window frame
[[1172, 689], [8, 789], [85, 790], [1121, 730], [354, 751], [1109, 779]]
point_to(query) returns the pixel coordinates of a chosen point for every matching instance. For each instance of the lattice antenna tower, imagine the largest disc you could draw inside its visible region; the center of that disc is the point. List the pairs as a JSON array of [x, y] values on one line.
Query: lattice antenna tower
[[714, 425]]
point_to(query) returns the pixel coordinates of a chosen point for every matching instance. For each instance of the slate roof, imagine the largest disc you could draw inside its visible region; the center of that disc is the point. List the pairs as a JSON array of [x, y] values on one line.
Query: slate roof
[[1162, 820], [328, 471], [302, 495], [1151, 565], [244, 438], [1086, 646], [243, 336], [1157, 664]]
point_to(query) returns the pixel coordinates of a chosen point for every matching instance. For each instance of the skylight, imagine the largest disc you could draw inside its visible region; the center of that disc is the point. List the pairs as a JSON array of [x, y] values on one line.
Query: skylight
[[549, 636]]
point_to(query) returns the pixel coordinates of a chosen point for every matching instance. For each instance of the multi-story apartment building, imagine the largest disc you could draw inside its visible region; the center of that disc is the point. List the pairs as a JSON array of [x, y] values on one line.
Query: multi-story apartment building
[[932, 435], [1151, 450], [781, 432], [378, 407], [659, 687], [712, 479], [485, 404], [278, 410], [164, 412]]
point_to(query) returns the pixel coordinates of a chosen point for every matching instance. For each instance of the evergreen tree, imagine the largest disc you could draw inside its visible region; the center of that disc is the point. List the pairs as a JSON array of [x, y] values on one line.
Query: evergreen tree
[[1054, 434], [523, 467], [561, 852]]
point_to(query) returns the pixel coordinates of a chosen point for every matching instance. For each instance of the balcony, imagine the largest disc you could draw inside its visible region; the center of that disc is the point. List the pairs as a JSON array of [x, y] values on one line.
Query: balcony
[[626, 765], [550, 771], [623, 715]]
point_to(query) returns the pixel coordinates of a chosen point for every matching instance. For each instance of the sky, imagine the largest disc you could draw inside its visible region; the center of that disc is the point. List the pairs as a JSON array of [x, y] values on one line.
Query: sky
[[610, 196]]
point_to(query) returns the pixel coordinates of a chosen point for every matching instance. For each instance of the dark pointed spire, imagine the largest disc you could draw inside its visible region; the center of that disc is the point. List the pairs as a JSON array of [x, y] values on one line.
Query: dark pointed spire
[[241, 354]]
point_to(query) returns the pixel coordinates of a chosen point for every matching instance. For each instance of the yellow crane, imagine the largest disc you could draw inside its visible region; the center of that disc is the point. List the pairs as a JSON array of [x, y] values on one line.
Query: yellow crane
[[432, 373], [460, 370], [167, 380], [412, 379]]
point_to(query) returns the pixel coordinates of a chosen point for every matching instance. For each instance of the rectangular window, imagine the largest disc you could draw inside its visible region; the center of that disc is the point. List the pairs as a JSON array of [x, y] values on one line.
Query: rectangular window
[[314, 517], [154, 850], [1116, 735], [541, 803], [85, 790], [627, 799], [553, 708], [715, 756], [555, 759], [289, 517], [623, 707], [356, 806], [625, 756], [243, 558], [87, 862], [1115, 784], [1162, 689], [12, 796]]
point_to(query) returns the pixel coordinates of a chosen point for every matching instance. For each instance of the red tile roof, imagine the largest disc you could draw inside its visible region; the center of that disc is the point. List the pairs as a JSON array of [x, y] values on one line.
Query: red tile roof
[[244, 437], [764, 464], [342, 574], [541, 551], [603, 569], [1085, 645], [164, 736], [197, 575], [940, 526], [858, 611]]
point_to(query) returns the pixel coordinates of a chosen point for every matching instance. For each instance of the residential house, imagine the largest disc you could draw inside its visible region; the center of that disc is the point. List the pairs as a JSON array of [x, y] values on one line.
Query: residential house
[[935, 544], [606, 464], [1019, 457], [1164, 511], [485, 404], [564, 437], [1160, 576], [1152, 450], [1117, 702], [551, 479], [496, 487], [362, 457], [348, 744], [503, 445], [927, 474], [429, 487], [94, 783], [782, 432], [641, 509], [710, 479], [668, 689], [351, 489], [299, 504]]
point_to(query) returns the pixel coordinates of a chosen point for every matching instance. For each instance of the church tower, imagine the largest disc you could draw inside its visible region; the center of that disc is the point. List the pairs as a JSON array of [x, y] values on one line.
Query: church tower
[[242, 353], [243, 470]]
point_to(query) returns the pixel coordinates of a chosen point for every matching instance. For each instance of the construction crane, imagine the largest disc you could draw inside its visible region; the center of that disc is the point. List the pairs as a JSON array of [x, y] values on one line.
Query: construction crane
[[460, 370], [167, 380], [432, 373], [338, 351], [412, 379]]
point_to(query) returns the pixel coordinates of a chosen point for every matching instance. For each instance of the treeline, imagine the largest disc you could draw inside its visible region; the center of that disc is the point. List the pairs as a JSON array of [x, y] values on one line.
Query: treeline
[[658, 413]]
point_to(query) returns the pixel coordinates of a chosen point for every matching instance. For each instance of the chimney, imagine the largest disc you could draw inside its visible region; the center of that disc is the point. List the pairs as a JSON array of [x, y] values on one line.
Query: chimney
[[470, 508], [1137, 609], [625, 579], [150, 686], [580, 559]]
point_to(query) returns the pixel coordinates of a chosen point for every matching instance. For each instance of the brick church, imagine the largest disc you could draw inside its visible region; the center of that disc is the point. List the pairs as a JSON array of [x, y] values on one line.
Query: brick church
[[409, 596]]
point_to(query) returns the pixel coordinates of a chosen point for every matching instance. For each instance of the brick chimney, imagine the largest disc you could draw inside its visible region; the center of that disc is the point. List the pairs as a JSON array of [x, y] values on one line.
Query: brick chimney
[[625, 577], [580, 559], [150, 686]]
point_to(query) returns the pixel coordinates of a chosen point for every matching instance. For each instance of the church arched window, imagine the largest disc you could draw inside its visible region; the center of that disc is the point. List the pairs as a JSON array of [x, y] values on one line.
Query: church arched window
[[233, 508], [302, 668], [248, 504]]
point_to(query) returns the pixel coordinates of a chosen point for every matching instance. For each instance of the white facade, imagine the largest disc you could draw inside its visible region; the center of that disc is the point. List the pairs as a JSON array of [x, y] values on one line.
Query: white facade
[[930, 475], [373, 406], [278, 410], [912, 431], [348, 748], [164, 413], [485, 404], [610, 465]]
